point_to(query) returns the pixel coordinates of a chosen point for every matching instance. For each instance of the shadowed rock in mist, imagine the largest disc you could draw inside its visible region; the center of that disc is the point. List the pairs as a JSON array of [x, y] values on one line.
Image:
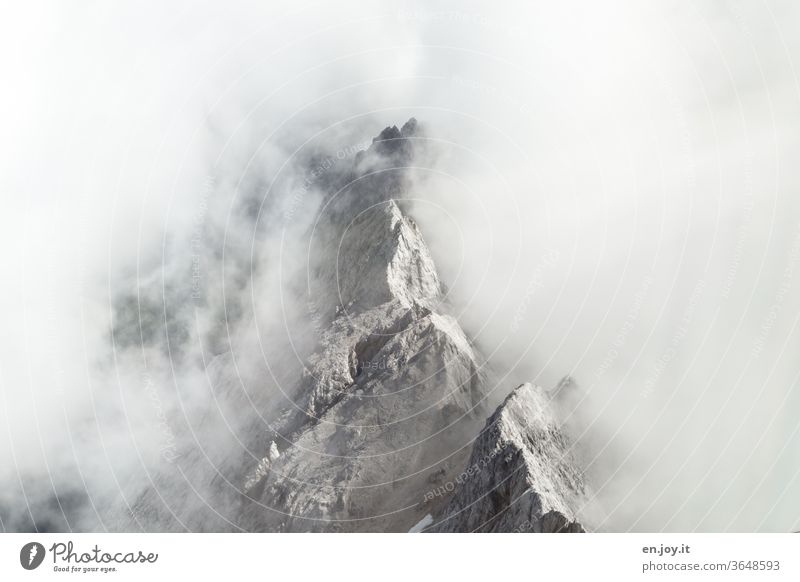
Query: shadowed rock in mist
[[394, 393], [375, 432], [521, 476]]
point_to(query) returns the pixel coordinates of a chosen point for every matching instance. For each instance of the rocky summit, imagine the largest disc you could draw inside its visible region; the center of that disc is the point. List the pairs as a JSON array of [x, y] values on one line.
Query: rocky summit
[[521, 475], [385, 429], [393, 396], [386, 433]]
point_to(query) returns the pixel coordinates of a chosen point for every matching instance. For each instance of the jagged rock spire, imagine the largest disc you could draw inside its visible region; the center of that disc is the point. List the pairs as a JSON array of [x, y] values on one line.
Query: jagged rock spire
[[393, 395], [521, 476]]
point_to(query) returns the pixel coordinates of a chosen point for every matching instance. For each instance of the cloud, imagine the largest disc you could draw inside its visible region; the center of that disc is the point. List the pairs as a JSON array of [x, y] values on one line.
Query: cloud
[[611, 198]]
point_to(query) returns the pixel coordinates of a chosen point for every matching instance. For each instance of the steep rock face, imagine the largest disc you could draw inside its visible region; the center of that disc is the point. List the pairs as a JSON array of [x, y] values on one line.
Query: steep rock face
[[376, 430], [388, 403], [520, 476]]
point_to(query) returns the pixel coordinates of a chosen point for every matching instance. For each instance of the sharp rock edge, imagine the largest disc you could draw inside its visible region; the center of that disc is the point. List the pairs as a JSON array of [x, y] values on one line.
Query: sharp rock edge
[[521, 476], [394, 393]]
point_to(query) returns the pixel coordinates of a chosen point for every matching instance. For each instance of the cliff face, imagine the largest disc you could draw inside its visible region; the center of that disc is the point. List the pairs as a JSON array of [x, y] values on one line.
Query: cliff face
[[521, 476], [382, 429], [388, 403]]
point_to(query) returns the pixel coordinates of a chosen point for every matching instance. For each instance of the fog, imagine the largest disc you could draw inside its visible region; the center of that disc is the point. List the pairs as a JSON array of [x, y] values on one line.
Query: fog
[[610, 195]]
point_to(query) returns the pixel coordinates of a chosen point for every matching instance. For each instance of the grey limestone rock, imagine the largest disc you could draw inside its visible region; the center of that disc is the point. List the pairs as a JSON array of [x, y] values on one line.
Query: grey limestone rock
[[381, 430], [521, 475], [394, 392]]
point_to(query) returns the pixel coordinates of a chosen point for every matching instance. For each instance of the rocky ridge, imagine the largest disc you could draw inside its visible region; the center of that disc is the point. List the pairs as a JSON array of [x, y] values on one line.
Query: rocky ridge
[[384, 430], [390, 399], [394, 396], [522, 476]]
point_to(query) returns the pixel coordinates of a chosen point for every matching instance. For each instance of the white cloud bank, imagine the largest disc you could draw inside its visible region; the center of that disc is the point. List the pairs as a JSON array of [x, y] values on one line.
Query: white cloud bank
[[615, 199]]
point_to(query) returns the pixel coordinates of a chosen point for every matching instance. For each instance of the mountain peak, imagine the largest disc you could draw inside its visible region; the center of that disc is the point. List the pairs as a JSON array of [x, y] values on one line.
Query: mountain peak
[[393, 393], [393, 141], [410, 128], [524, 479]]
